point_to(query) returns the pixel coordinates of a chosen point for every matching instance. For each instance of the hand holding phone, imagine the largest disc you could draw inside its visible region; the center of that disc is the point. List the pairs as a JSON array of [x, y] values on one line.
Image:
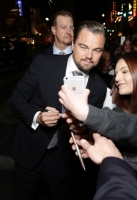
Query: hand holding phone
[[76, 85]]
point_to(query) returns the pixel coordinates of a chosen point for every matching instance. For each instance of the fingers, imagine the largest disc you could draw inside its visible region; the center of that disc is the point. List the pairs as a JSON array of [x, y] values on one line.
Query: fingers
[[77, 137], [66, 115], [61, 101], [71, 120], [86, 92], [61, 94], [52, 109], [50, 118]]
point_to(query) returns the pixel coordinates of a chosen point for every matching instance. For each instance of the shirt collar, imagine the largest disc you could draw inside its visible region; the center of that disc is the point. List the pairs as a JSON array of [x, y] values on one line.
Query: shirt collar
[[68, 50], [71, 66]]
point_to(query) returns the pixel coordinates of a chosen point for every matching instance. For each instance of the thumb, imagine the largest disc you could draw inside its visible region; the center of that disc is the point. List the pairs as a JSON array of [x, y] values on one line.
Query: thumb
[[85, 144], [96, 136], [86, 92]]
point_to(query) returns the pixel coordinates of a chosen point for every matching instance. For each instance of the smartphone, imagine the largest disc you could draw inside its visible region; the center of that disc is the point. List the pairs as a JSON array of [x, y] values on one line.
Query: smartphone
[[122, 39], [75, 84]]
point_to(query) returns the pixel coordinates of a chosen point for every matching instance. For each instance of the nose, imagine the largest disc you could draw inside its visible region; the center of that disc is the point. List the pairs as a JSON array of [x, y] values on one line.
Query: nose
[[70, 30], [117, 77], [89, 54]]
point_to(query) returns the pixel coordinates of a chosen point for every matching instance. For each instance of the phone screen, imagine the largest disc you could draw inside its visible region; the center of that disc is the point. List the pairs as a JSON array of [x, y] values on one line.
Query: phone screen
[[122, 39]]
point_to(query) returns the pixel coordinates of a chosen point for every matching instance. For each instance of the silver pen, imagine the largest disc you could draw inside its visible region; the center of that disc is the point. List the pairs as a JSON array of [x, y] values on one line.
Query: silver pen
[[78, 151], [46, 110]]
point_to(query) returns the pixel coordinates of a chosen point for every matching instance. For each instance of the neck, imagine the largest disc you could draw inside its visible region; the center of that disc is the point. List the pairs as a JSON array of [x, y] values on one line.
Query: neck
[[61, 46]]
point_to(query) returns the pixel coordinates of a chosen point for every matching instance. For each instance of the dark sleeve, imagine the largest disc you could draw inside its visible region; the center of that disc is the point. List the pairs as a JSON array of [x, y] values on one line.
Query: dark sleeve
[[24, 92], [116, 180], [113, 125]]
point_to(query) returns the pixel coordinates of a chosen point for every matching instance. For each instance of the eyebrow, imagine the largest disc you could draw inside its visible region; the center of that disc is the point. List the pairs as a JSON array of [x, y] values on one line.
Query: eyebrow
[[88, 46], [82, 44], [122, 68]]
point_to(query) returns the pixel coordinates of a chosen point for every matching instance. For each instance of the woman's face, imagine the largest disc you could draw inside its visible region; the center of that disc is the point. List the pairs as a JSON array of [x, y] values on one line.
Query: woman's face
[[123, 78], [128, 47]]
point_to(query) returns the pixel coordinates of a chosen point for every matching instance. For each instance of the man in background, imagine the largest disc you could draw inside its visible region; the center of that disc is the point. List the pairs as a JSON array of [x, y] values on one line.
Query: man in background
[[62, 27]]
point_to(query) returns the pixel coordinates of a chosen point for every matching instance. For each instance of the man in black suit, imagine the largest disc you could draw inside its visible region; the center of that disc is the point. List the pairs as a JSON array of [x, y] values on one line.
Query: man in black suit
[[116, 180], [62, 26], [41, 144]]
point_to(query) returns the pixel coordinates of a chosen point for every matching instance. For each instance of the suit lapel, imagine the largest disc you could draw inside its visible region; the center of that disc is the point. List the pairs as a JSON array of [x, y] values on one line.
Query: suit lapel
[[90, 86], [60, 70]]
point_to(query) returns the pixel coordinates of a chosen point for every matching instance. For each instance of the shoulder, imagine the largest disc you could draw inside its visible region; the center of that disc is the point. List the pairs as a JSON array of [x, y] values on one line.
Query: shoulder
[[49, 61], [96, 77], [48, 49], [96, 82], [118, 109]]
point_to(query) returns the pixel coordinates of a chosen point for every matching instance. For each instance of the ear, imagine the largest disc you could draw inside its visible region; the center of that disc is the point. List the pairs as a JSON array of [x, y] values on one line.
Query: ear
[[72, 45], [53, 29]]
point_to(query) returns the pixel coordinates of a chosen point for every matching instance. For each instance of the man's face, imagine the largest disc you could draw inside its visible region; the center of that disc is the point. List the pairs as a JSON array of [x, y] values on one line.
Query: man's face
[[104, 63], [63, 31], [87, 50]]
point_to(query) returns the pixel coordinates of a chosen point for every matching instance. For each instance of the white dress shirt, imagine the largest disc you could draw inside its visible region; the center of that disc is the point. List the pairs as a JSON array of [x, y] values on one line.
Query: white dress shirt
[[71, 66]]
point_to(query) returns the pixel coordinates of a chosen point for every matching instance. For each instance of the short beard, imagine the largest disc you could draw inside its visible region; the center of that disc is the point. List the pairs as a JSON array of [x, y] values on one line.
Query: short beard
[[85, 71]]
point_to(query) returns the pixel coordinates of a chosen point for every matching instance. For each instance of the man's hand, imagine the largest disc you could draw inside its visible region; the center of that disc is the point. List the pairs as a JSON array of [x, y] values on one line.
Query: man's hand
[[74, 124], [87, 137], [49, 118], [101, 149], [76, 104]]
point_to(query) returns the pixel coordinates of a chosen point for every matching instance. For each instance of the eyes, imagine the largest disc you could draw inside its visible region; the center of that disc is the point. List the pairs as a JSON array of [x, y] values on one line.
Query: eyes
[[65, 27], [124, 71], [83, 47], [105, 60], [97, 50]]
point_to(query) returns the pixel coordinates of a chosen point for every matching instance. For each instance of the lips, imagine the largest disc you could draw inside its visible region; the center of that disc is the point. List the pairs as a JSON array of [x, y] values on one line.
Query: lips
[[121, 84], [87, 61]]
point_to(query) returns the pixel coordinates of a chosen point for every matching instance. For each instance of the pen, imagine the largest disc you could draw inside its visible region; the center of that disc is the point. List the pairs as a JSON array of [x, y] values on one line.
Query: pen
[[78, 151], [46, 110]]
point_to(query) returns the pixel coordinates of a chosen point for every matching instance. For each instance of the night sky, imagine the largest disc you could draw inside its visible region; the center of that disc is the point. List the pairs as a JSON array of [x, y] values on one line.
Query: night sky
[[83, 9], [90, 9]]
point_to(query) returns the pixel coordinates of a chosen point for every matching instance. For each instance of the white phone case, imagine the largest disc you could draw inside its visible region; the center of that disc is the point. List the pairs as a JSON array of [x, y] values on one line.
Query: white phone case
[[75, 84]]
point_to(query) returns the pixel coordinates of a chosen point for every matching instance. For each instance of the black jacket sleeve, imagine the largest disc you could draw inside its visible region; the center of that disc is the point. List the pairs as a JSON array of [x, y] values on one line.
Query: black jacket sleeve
[[116, 180]]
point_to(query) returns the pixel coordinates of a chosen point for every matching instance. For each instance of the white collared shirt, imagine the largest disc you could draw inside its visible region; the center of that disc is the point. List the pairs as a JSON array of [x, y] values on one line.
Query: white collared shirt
[[71, 66], [68, 50]]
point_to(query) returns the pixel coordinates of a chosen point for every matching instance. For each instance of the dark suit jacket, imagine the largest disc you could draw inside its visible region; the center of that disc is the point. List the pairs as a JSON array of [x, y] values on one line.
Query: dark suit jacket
[[48, 50], [116, 181], [37, 89]]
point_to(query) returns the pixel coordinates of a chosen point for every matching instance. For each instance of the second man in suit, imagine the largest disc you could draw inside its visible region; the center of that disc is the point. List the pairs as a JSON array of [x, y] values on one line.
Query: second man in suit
[[62, 29]]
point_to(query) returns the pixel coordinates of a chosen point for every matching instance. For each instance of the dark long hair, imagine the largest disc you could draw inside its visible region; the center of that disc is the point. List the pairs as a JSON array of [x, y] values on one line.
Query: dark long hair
[[128, 103]]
